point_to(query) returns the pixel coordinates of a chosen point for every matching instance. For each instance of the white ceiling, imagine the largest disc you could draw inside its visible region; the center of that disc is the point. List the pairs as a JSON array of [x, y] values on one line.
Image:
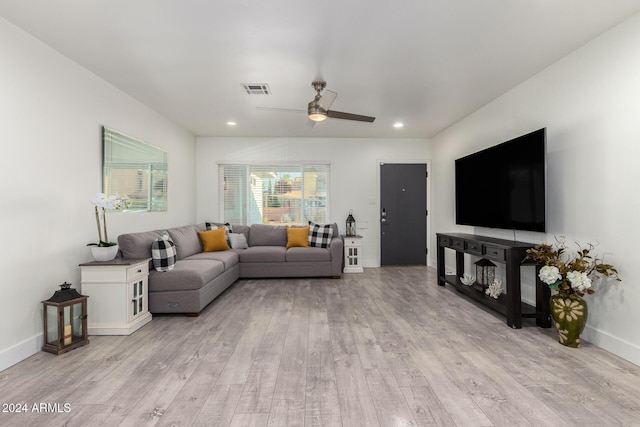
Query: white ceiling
[[426, 63]]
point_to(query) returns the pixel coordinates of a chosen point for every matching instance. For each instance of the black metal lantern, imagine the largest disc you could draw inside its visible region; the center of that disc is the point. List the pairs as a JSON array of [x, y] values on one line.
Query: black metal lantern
[[351, 224], [65, 320], [485, 272]]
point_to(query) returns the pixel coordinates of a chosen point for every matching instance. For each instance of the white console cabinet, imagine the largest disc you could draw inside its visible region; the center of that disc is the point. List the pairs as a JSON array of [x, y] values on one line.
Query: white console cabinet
[[352, 254], [117, 292]]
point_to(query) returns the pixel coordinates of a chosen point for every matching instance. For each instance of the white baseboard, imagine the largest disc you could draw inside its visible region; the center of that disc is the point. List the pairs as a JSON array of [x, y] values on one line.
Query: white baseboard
[[20, 351], [612, 344], [370, 264]]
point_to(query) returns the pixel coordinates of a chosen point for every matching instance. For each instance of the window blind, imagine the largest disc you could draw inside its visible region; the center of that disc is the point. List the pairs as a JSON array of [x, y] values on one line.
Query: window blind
[[136, 169], [274, 193]]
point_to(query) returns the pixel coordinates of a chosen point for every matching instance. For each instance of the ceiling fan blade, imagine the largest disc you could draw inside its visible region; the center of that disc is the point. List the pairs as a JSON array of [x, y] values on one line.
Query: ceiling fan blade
[[281, 110], [327, 99], [348, 116]]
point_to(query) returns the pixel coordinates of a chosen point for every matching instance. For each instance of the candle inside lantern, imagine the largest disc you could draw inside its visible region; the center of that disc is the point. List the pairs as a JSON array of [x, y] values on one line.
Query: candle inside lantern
[[67, 334]]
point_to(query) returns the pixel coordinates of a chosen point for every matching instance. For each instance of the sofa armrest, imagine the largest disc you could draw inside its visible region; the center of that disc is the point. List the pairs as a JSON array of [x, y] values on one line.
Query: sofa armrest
[[336, 248]]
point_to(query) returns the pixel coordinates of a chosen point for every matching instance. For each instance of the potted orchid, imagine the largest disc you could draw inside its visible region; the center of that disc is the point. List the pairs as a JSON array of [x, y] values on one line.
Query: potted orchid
[[569, 277], [105, 250]]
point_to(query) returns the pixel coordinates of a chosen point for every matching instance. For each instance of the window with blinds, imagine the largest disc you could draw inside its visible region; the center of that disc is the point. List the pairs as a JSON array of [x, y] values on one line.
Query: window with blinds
[[136, 169], [274, 194]]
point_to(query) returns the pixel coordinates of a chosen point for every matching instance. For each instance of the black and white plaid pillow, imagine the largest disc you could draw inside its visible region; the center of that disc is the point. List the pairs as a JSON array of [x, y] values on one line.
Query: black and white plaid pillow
[[213, 226], [320, 235], [163, 253]]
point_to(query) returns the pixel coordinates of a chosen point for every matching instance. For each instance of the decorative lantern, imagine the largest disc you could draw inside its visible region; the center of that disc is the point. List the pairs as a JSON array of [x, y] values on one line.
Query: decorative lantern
[[351, 224], [65, 320], [485, 272]]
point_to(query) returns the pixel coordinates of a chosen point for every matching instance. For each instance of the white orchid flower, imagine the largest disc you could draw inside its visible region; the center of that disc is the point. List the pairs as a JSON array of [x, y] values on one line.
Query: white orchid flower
[[102, 202]]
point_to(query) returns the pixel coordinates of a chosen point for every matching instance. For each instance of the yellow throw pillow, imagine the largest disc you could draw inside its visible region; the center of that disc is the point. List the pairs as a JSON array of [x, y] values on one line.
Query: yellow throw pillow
[[297, 237], [214, 240]]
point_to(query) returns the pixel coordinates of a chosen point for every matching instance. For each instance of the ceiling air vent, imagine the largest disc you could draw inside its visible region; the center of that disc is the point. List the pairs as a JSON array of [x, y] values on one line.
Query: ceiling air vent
[[256, 88]]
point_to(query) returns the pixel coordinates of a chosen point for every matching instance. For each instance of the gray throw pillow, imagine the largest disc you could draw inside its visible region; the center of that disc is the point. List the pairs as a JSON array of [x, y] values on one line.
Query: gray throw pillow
[[238, 241]]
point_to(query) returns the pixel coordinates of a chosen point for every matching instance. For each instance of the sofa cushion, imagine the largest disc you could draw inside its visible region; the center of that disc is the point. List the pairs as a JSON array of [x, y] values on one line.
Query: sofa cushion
[[297, 237], [214, 240], [186, 240], [308, 254], [228, 258], [163, 252], [267, 235], [186, 275], [320, 235], [241, 230], [138, 245], [263, 254]]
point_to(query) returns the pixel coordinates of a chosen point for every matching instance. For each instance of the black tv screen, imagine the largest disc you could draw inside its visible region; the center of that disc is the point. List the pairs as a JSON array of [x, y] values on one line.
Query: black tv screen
[[504, 186]]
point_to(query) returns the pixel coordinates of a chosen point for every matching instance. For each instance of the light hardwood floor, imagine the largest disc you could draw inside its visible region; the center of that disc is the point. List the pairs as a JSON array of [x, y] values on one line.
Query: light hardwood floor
[[387, 347]]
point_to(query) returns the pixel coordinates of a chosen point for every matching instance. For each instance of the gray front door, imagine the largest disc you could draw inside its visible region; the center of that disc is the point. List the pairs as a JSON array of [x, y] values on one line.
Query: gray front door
[[403, 214]]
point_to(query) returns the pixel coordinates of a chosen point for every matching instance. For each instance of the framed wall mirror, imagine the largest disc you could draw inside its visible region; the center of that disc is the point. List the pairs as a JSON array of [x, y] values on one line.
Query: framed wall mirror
[[134, 168]]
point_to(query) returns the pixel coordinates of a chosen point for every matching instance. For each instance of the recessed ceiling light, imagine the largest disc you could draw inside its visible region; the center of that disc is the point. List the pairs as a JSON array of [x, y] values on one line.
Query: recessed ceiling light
[[398, 125], [231, 123]]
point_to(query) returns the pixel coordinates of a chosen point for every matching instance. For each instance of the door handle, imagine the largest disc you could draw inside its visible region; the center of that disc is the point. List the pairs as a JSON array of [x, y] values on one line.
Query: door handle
[[383, 215]]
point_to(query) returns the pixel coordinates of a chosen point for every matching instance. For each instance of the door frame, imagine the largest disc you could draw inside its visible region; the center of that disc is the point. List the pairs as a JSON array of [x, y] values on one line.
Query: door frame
[[427, 197]]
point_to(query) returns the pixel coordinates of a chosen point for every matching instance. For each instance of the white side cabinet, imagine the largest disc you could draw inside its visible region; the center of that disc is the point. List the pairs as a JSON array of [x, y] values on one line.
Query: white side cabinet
[[117, 292], [352, 254]]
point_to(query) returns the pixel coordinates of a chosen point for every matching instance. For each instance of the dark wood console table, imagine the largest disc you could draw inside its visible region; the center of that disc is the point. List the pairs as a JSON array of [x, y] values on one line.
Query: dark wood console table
[[507, 252]]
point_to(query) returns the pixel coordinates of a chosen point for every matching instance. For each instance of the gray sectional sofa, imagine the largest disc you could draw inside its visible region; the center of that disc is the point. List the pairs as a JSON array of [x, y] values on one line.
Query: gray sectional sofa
[[198, 277]]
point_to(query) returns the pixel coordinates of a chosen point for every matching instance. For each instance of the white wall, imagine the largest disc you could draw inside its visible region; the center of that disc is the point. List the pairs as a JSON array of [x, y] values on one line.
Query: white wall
[[589, 102], [51, 113], [354, 173]]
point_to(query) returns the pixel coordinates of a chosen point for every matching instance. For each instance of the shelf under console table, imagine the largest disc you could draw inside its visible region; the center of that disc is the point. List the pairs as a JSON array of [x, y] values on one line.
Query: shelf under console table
[[507, 252]]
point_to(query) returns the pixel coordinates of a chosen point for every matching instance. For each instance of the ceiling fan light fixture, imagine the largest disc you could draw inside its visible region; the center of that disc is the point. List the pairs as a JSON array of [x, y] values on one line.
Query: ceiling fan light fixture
[[316, 113], [318, 117]]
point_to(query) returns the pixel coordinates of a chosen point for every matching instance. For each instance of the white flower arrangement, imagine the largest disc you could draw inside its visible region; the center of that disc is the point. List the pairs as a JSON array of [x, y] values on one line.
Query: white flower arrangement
[[495, 289], [113, 202], [570, 275], [103, 202], [578, 280]]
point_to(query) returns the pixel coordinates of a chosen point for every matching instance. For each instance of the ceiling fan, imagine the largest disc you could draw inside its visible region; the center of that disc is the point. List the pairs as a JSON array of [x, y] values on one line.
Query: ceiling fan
[[318, 109]]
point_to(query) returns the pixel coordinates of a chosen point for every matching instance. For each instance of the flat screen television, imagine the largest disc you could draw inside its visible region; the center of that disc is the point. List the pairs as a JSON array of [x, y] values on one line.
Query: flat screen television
[[504, 186]]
